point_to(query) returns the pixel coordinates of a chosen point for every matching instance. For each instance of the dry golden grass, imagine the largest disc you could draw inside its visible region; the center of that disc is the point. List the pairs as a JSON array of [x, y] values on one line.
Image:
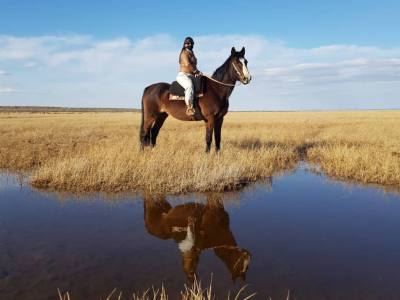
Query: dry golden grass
[[193, 292], [100, 151]]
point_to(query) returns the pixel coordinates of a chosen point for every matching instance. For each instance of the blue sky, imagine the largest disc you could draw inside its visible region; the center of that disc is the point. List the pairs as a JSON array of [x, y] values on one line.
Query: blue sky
[[303, 54], [300, 23]]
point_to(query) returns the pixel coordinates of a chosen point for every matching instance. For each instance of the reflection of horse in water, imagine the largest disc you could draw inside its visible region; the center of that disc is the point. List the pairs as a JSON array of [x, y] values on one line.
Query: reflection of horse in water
[[197, 227]]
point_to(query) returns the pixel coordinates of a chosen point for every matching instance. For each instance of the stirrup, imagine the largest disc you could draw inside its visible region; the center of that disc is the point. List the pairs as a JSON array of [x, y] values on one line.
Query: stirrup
[[190, 110]]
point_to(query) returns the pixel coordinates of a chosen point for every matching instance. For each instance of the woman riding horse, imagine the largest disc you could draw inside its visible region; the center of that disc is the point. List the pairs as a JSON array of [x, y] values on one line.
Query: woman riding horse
[[188, 69], [211, 108]]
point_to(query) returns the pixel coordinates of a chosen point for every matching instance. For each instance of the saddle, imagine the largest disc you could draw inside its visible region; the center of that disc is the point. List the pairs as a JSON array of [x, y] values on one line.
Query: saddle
[[177, 92]]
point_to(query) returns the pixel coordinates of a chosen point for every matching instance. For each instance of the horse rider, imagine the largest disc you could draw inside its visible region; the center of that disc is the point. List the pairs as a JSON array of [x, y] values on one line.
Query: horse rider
[[188, 69]]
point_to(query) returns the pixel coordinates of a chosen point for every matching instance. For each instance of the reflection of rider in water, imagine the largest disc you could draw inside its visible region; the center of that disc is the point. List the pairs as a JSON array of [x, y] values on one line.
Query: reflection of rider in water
[[197, 227]]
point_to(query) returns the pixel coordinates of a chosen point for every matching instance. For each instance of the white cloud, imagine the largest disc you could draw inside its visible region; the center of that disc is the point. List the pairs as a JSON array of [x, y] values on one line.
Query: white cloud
[[4, 73], [30, 64], [4, 90], [82, 70], [359, 69], [24, 48]]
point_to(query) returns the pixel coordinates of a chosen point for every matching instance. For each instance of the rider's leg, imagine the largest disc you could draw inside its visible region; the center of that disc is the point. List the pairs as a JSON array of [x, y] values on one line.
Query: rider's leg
[[186, 82]]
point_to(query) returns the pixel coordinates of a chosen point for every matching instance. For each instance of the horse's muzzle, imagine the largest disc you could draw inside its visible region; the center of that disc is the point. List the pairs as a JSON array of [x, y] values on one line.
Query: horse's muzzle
[[246, 80]]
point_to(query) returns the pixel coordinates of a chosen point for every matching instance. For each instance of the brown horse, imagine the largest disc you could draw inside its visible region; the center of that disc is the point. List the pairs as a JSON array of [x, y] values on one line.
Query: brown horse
[[211, 108], [197, 227]]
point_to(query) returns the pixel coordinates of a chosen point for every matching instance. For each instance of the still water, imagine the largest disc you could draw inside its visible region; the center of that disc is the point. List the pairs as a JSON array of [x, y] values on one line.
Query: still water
[[301, 232]]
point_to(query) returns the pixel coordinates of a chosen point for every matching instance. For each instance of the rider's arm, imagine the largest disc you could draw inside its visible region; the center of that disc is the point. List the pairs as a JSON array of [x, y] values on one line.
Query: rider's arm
[[196, 72]]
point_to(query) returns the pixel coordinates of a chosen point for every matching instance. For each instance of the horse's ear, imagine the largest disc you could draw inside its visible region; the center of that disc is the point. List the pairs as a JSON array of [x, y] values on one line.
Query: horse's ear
[[242, 52], [233, 50]]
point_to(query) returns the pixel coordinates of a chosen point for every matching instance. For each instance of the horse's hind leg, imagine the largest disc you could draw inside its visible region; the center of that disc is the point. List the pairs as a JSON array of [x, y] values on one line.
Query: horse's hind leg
[[156, 127], [145, 131]]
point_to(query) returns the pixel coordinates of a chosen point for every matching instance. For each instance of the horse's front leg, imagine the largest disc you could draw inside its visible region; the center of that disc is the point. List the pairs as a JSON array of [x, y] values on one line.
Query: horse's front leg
[[217, 133], [158, 123], [209, 132]]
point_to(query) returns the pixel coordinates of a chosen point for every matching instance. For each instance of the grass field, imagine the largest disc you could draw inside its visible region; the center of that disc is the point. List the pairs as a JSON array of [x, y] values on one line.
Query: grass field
[[99, 151]]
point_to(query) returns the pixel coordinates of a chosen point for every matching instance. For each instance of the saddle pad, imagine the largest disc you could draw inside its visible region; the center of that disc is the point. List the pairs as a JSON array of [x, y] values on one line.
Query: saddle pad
[[177, 97]]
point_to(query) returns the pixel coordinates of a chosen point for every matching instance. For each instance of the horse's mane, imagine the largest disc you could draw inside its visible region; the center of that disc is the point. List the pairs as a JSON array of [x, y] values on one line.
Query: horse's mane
[[222, 70]]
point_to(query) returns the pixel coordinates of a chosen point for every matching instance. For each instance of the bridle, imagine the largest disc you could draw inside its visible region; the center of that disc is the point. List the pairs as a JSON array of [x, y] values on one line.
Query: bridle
[[237, 71], [242, 255]]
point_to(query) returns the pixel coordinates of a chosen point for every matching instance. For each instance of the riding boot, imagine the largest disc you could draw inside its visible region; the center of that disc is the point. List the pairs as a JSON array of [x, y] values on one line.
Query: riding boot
[[190, 110]]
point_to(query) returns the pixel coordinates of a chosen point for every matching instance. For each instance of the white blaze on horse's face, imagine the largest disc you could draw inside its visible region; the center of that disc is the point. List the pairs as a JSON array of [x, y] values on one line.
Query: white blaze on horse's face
[[245, 71]]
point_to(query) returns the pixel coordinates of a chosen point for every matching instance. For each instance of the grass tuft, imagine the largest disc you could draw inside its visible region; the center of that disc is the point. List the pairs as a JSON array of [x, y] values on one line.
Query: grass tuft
[[195, 291]]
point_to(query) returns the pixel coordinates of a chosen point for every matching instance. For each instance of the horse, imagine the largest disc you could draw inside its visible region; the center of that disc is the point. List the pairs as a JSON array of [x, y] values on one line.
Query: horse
[[197, 227], [211, 108]]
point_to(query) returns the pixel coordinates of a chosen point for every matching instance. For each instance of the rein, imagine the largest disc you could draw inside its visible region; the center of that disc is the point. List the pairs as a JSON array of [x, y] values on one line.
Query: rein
[[217, 81], [223, 83]]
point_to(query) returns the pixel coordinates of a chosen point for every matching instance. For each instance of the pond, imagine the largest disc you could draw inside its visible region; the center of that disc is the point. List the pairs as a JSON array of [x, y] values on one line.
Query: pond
[[300, 233]]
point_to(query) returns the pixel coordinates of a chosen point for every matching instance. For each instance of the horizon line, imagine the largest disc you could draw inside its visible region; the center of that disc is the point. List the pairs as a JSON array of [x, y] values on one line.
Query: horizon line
[[43, 108]]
